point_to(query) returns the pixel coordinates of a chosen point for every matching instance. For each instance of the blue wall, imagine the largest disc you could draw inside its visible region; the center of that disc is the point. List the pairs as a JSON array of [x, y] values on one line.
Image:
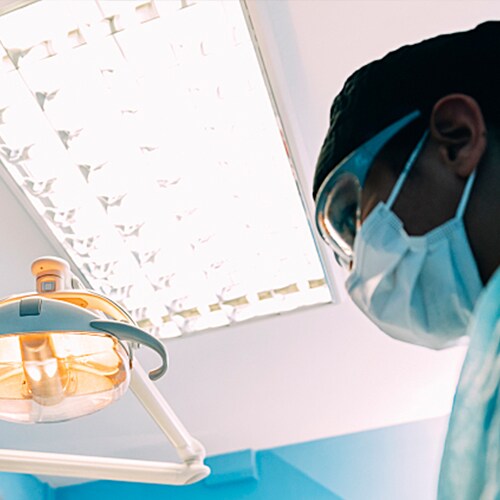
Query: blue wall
[[23, 487], [394, 463], [277, 480]]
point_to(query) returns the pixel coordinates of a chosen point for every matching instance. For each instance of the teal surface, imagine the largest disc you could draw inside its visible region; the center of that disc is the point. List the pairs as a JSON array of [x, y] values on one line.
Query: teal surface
[[392, 463], [23, 487], [233, 467]]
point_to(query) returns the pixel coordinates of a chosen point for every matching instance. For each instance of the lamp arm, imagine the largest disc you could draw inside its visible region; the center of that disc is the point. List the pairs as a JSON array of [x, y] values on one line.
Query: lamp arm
[[88, 467], [189, 449]]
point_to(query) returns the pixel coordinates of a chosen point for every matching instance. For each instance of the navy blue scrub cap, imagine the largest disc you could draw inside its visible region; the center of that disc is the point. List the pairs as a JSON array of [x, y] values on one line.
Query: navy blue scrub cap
[[413, 77]]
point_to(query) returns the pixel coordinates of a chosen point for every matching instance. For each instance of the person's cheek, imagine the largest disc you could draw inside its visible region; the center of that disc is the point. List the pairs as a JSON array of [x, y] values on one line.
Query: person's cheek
[[378, 186]]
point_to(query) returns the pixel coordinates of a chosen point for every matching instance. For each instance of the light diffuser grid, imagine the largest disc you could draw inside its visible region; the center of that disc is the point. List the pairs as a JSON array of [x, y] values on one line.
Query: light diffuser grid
[[144, 135]]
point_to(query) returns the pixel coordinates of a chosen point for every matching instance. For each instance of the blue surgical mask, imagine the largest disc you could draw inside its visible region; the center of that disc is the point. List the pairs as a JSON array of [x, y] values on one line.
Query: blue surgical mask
[[419, 289]]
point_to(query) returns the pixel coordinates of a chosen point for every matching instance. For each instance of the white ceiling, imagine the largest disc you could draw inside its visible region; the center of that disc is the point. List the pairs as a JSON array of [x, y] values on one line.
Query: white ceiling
[[304, 375]]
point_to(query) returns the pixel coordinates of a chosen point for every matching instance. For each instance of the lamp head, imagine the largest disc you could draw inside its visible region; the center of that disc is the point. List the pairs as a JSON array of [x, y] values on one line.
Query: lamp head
[[53, 365], [59, 360]]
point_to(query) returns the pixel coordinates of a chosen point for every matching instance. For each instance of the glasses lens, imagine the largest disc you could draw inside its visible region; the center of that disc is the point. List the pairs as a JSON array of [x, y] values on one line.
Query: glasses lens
[[340, 219]]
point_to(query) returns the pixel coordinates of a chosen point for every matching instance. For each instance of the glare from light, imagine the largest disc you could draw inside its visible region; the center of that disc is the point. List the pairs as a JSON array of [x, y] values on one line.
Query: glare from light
[[144, 135], [34, 371]]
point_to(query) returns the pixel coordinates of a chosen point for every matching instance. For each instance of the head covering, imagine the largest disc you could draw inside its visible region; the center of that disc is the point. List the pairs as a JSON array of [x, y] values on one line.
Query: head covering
[[410, 78]]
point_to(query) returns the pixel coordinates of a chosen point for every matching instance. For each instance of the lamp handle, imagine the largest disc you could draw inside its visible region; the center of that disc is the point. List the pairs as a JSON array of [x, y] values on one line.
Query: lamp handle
[[131, 333]]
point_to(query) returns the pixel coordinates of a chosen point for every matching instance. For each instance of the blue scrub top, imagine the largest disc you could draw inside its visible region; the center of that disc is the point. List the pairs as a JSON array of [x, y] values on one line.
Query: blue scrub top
[[470, 469]]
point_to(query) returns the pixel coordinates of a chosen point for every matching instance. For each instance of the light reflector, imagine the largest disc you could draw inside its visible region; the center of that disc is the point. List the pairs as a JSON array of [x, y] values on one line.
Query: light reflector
[[58, 376]]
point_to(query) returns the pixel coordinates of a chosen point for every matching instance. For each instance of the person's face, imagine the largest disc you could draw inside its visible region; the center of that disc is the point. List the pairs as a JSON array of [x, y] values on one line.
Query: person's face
[[429, 196], [455, 146]]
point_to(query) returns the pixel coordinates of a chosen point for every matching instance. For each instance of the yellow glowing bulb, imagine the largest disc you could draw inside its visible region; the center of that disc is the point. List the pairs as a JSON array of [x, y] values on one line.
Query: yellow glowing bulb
[[46, 376]]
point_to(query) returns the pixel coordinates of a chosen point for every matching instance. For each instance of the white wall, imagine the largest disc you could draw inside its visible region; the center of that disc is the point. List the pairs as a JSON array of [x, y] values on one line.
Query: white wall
[[21, 241], [304, 375], [312, 46]]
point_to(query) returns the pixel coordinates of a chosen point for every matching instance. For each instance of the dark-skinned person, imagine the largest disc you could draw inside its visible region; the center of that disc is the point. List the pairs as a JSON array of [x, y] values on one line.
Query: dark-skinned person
[[407, 193]]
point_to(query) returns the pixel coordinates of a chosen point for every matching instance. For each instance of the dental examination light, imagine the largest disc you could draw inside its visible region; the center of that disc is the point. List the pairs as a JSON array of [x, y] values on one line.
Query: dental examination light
[[67, 352]]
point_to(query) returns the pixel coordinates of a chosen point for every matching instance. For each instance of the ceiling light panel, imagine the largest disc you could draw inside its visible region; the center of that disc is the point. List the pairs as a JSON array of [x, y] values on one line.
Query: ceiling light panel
[[144, 135]]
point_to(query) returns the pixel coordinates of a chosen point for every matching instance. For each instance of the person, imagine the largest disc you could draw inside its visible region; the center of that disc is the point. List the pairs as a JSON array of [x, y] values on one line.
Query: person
[[407, 193]]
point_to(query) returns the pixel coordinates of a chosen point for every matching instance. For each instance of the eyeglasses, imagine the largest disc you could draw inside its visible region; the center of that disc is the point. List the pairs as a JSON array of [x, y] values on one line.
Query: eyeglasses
[[338, 205]]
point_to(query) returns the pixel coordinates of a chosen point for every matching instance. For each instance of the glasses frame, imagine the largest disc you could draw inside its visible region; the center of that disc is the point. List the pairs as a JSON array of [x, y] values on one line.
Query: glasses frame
[[357, 164]]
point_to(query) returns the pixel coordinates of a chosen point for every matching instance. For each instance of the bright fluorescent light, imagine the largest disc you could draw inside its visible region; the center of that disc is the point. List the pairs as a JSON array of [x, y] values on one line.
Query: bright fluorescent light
[[144, 135]]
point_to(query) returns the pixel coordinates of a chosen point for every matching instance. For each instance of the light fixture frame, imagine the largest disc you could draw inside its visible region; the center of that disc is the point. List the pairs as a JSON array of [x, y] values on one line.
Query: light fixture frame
[[215, 312]]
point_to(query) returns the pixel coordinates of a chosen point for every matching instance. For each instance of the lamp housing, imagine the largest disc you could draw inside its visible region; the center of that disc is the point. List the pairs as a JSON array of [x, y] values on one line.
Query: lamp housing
[[61, 356]]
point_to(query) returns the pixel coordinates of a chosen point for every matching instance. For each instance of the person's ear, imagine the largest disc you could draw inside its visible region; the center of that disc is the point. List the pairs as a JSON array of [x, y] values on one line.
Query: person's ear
[[457, 125]]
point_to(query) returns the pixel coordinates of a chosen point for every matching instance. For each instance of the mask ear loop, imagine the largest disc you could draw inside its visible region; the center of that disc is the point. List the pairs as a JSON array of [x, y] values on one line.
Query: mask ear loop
[[465, 195], [406, 170]]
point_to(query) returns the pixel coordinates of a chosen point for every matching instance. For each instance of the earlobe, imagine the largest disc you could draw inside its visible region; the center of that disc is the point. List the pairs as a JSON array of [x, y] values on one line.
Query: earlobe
[[457, 125]]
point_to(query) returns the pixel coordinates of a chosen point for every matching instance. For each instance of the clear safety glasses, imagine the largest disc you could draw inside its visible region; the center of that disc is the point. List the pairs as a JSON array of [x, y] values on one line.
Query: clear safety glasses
[[338, 205]]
